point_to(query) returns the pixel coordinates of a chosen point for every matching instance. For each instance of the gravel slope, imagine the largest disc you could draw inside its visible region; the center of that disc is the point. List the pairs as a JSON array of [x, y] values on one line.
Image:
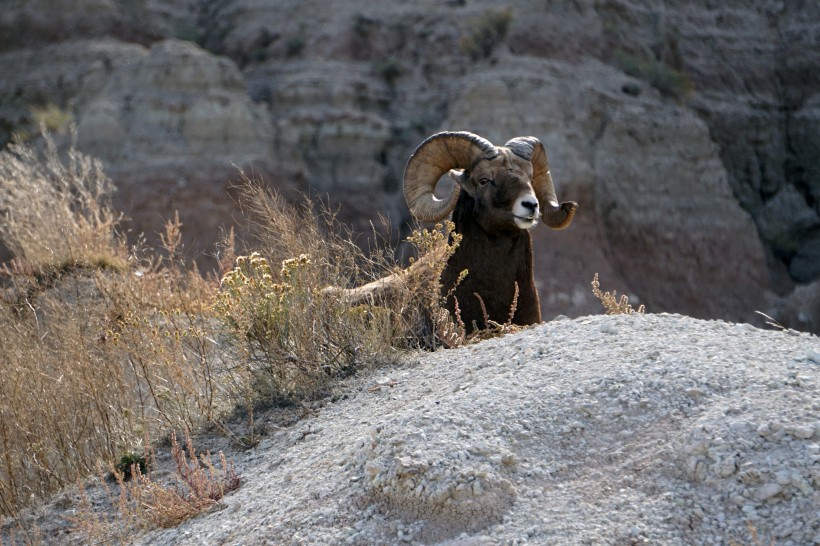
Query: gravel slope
[[658, 429]]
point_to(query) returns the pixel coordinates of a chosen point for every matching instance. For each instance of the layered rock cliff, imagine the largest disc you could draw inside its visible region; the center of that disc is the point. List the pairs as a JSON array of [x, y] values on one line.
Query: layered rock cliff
[[686, 131]]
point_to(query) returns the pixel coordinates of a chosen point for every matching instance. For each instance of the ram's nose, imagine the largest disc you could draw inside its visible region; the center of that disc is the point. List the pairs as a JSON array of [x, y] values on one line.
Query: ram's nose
[[526, 211], [530, 205]]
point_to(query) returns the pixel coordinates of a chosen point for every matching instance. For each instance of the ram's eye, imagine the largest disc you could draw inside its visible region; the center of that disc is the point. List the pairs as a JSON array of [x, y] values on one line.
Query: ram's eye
[[485, 181]]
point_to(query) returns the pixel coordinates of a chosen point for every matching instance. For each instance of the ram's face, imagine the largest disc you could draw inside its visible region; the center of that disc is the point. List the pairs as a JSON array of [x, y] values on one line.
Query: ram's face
[[503, 193]]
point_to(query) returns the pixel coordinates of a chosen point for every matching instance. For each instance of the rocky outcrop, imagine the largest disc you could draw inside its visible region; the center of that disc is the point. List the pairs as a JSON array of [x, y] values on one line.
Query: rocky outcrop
[[755, 79], [193, 99], [35, 23], [643, 168], [175, 121], [687, 132]]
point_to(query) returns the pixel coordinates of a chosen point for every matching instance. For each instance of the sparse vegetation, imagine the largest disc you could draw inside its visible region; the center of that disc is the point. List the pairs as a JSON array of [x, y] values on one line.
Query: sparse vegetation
[[612, 304], [661, 76], [106, 344], [101, 343], [486, 32], [47, 117], [390, 70], [199, 485], [435, 246], [362, 25], [294, 46], [143, 501]]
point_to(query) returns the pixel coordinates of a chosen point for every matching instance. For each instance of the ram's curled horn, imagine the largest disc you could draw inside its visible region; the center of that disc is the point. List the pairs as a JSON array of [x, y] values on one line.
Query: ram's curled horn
[[556, 216], [434, 157]]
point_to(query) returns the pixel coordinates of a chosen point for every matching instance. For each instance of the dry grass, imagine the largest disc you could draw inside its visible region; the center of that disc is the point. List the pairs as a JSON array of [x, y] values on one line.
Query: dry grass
[[612, 304], [72, 197], [292, 334], [91, 364], [106, 344], [101, 344]]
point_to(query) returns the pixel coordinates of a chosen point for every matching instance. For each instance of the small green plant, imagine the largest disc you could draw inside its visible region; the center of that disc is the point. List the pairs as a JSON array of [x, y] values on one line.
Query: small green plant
[[294, 46], [390, 70], [612, 304], [486, 32], [127, 462], [362, 25], [661, 76], [189, 32], [52, 117], [47, 117]]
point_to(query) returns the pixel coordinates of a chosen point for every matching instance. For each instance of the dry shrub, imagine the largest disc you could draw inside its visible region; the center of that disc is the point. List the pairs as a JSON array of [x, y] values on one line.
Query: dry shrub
[[435, 247], [612, 304], [143, 501], [423, 287], [664, 78], [291, 333], [486, 32], [199, 486], [495, 329]]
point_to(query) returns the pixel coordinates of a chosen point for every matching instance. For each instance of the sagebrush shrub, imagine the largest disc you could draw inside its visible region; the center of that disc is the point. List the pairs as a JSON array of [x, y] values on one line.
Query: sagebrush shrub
[[292, 335]]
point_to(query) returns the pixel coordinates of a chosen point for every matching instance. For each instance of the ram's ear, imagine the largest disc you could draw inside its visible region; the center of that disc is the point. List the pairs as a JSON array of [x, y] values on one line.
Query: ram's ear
[[462, 178]]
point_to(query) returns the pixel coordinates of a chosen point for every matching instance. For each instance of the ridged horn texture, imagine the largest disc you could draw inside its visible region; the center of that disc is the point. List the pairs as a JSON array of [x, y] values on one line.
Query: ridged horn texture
[[434, 157], [555, 215]]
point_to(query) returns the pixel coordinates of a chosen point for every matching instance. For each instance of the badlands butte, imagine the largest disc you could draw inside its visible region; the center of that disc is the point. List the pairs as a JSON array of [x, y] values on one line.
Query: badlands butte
[[686, 131]]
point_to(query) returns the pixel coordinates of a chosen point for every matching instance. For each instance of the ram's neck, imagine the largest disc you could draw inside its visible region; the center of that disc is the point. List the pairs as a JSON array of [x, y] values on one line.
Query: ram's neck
[[495, 264]]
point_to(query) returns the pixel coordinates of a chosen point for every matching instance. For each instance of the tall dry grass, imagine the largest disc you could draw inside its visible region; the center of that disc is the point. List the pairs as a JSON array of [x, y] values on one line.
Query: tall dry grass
[[57, 213], [105, 344], [102, 343], [293, 336]]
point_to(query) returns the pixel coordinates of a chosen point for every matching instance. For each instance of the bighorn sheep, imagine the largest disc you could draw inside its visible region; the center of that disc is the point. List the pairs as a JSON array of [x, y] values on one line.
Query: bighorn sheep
[[502, 191]]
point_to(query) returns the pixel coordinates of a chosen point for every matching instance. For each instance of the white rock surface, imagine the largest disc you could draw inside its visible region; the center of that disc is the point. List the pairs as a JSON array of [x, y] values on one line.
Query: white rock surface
[[658, 429]]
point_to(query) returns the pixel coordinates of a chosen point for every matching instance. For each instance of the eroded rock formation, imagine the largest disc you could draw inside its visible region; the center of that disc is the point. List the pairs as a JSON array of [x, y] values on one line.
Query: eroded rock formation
[[687, 132]]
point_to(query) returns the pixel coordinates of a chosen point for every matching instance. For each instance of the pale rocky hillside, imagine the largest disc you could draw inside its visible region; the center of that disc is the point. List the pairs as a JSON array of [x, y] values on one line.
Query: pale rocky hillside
[[610, 430], [686, 131]]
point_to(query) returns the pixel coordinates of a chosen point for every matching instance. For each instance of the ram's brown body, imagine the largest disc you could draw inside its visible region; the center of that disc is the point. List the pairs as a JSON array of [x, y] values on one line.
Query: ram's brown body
[[496, 263]]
